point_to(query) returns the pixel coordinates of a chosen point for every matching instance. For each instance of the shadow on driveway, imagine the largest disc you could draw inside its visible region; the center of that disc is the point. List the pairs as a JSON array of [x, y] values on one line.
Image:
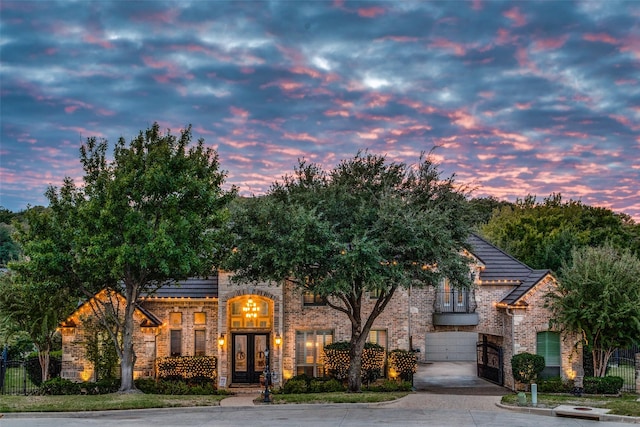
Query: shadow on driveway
[[454, 378]]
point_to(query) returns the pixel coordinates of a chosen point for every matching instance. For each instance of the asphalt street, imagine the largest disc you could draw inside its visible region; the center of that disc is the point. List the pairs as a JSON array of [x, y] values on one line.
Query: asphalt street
[[344, 415]]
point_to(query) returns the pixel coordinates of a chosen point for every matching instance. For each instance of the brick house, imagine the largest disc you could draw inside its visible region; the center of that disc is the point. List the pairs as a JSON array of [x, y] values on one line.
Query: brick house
[[502, 315]]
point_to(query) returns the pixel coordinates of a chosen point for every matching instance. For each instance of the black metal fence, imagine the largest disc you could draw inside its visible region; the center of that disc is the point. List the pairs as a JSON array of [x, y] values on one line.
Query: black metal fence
[[23, 376], [623, 364]]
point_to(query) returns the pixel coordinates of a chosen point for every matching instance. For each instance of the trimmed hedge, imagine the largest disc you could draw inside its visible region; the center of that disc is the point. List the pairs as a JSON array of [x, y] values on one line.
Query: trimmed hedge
[[198, 369], [591, 385], [603, 385], [301, 384], [337, 360], [526, 367], [404, 362]]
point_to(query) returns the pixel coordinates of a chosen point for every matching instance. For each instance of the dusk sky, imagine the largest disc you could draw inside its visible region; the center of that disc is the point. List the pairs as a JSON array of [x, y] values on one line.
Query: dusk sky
[[520, 97]]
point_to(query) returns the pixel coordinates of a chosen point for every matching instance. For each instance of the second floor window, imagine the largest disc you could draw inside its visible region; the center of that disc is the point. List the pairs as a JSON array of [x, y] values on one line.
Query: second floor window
[[310, 299]]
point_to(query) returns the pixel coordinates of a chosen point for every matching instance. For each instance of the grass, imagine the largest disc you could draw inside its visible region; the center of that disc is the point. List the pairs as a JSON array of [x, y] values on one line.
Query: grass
[[338, 397], [626, 372], [15, 380], [102, 402], [627, 404]]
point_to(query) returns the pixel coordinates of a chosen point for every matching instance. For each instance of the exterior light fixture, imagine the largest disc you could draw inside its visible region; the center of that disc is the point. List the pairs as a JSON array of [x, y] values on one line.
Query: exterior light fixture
[[221, 340], [278, 339]]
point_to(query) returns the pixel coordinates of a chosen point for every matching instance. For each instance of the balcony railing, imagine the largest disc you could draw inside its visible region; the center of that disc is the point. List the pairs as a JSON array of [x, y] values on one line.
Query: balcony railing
[[455, 307]]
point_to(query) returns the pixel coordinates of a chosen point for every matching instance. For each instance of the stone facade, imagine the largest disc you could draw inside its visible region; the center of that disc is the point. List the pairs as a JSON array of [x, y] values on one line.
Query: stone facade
[[405, 324]]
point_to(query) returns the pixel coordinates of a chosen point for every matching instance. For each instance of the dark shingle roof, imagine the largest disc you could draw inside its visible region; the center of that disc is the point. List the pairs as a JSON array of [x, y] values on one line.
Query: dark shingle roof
[[194, 287], [501, 268]]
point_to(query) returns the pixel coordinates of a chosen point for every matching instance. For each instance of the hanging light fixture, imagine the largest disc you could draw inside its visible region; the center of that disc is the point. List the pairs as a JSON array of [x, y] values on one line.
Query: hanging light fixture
[[251, 309]]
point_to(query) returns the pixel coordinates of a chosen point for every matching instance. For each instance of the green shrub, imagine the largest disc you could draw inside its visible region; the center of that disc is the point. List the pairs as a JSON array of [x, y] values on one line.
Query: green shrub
[[325, 385], [603, 385], [404, 362], [59, 386], [389, 385], [554, 385], [295, 386], [147, 385], [106, 385], [337, 360], [526, 367], [188, 368]]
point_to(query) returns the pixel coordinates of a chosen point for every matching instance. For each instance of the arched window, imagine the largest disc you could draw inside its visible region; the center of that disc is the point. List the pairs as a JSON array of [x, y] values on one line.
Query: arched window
[[250, 312]]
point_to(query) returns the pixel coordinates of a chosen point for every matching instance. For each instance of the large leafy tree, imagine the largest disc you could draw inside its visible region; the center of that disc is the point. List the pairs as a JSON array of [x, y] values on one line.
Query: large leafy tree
[[543, 234], [36, 309], [367, 225], [150, 216], [9, 249], [598, 297]]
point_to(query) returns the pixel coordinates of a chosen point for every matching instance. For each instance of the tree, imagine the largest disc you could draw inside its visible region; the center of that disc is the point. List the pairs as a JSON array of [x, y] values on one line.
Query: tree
[[542, 235], [35, 308], [9, 250], [367, 225], [598, 297], [150, 216]]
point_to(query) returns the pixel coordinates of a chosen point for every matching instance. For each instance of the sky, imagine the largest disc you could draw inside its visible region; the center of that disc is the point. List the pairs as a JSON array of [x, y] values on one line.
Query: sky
[[517, 97]]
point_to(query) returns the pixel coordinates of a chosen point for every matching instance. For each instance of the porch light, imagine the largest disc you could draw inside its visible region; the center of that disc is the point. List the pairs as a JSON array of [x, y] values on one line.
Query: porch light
[[278, 339], [221, 340]]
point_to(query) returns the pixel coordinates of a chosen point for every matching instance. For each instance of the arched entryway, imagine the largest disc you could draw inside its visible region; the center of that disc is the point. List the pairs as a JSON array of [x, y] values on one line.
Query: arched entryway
[[250, 320]]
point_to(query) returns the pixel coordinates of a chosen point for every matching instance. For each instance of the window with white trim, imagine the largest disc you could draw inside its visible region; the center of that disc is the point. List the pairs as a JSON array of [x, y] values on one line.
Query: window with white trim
[[310, 352]]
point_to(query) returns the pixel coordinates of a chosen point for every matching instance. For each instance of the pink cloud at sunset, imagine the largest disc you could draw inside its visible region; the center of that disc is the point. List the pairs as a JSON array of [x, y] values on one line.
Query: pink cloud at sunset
[[517, 97]]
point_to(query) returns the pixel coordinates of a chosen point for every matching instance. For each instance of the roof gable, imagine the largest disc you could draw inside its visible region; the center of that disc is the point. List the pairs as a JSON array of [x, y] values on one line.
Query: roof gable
[[501, 268]]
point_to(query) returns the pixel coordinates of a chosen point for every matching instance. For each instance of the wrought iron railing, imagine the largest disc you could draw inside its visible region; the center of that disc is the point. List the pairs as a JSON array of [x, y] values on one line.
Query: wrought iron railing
[[455, 301]]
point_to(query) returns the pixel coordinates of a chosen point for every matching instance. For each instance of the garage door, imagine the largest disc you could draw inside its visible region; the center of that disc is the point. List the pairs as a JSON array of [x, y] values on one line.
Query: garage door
[[451, 346]]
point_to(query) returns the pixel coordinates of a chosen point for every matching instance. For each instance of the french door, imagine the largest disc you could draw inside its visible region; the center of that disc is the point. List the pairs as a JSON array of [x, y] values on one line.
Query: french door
[[249, 357]]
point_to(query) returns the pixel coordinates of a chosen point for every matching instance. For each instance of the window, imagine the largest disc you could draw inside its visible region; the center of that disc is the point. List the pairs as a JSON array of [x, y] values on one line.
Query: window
[[310, 352], [176, 342], [199, 318], [200, 343], [250, 312], [175, 319], [310, 299], [378, 336], [548, 346]]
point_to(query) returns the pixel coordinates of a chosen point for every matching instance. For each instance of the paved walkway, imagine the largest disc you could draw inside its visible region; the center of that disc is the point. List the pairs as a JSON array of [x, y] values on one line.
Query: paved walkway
[[442, 385]]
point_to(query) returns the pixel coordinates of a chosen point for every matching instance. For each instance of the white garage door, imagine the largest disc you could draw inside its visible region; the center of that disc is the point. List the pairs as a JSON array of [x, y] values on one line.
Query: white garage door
[[451, 346]]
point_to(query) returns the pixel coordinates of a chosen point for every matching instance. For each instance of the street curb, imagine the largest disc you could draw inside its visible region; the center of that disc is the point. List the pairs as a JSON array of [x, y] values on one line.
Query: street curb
[[550, 413]]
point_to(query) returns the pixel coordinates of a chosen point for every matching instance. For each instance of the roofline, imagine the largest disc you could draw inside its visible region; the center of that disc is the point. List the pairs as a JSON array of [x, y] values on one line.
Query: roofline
[[499, 250]]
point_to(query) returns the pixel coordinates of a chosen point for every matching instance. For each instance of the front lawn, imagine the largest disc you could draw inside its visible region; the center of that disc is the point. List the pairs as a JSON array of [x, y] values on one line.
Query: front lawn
[[103, 402]]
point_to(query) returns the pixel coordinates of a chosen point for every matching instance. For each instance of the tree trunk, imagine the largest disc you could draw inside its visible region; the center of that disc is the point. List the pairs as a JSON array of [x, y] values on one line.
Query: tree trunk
[[600, 361], [128, 359], [355, 364], [43, 358]]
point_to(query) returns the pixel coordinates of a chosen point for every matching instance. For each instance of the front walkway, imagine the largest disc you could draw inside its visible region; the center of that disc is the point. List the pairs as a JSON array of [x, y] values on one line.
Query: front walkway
[[440, 385]]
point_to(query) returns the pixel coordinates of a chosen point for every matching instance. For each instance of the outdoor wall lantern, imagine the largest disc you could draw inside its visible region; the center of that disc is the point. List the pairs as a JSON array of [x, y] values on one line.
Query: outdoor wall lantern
[[221, 340], [278, 339]]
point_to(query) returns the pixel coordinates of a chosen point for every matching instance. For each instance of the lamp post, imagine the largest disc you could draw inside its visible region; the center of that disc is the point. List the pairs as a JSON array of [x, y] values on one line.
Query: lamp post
[[267, 377]]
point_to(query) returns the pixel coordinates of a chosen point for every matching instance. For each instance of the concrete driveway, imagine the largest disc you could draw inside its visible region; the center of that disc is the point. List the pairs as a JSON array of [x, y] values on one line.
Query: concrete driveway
[[454, 378]]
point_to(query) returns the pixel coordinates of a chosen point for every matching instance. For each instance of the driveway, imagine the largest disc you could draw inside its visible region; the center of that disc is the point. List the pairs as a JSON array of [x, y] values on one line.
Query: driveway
[[454, 378]]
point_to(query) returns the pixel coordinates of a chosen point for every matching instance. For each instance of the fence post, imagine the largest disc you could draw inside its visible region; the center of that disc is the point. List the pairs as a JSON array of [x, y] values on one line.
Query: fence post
[[638, 373], [2, 371]]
